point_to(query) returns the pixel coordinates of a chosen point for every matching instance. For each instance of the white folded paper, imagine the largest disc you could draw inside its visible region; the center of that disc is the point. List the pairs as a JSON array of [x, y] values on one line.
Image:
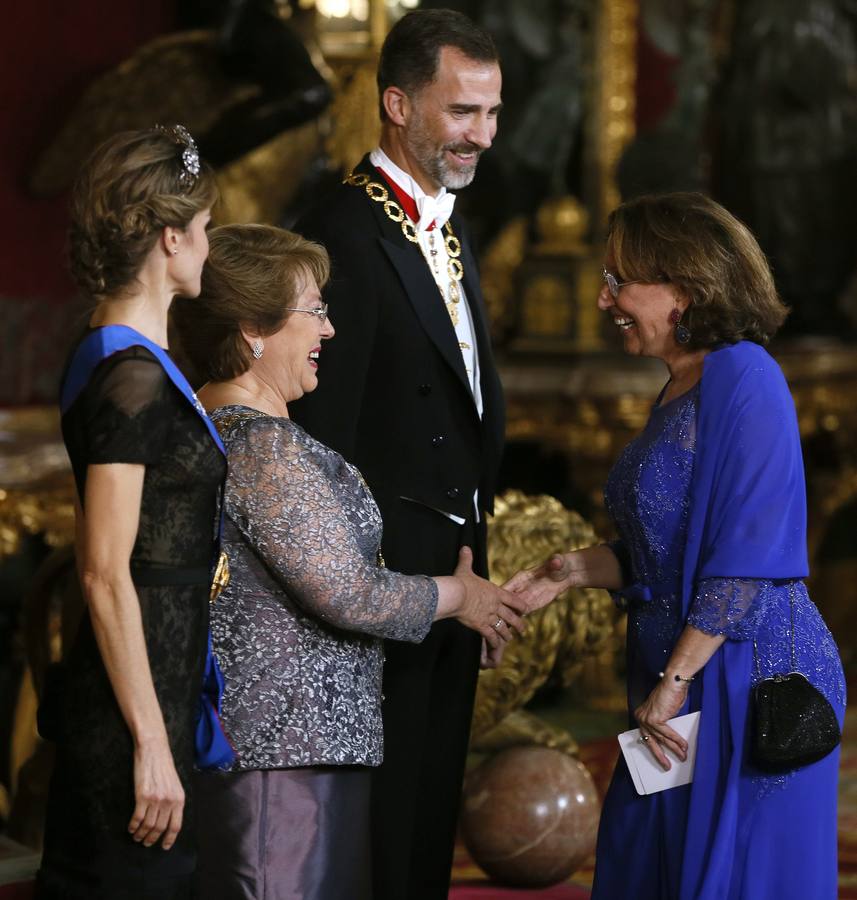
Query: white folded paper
[[648, 775]]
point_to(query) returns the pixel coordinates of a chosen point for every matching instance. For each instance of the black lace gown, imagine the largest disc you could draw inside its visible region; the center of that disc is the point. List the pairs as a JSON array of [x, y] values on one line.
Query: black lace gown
[[130, 412]]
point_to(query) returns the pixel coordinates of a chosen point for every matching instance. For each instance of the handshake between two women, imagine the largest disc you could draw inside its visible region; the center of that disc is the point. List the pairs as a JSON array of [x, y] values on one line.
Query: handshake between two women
[[498, 612]]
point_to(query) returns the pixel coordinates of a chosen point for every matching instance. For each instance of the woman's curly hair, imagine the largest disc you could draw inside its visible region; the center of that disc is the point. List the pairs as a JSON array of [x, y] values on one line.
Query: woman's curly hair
[[129, 190], [688, 240]]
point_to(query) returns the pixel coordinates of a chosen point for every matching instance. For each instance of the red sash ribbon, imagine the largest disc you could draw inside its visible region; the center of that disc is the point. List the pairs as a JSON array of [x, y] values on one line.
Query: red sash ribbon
[[406, 201]]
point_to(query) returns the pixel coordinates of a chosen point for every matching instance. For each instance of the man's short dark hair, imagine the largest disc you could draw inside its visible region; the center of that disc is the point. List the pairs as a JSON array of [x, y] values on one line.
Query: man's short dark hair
[[409, 57]]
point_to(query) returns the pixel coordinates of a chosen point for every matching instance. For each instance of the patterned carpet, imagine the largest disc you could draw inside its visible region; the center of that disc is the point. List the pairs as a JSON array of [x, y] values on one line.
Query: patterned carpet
[[469, 883]]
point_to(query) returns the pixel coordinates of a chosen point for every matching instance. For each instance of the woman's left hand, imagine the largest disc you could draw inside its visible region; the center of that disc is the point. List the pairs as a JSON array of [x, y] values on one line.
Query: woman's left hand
[[652, 715]]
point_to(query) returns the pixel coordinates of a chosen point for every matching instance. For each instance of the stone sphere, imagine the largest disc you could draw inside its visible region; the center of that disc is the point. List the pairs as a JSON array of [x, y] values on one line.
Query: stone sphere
[[530, 816]]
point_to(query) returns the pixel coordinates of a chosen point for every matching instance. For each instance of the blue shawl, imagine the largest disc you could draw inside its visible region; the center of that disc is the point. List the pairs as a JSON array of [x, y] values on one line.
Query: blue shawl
[[747, 519]]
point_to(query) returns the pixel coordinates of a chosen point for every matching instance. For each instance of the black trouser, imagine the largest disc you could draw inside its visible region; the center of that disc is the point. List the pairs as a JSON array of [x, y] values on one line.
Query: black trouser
[[428, 706]]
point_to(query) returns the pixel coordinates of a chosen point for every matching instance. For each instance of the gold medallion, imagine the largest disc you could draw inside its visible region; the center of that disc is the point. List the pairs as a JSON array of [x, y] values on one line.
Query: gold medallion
[[377, 192], [394, 212], [453, 245], [220, 579]]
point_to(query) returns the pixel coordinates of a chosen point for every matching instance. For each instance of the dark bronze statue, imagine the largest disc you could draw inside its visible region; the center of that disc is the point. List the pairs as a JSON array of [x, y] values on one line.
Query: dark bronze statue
[[786, 161]]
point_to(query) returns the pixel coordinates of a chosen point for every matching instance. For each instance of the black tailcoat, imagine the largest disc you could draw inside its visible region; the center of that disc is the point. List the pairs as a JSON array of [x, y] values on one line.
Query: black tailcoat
[[394, 399]]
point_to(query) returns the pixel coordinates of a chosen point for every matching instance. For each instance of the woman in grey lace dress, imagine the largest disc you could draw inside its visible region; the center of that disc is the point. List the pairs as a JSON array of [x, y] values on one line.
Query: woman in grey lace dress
[[298, 630], [710, 506]]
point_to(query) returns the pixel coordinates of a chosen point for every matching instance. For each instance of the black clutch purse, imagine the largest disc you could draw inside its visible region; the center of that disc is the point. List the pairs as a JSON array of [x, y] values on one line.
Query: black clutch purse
[[792, 723]]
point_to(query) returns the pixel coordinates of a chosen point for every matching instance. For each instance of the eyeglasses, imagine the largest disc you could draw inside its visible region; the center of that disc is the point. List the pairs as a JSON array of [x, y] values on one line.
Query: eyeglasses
[[612, 284], [320, 313]]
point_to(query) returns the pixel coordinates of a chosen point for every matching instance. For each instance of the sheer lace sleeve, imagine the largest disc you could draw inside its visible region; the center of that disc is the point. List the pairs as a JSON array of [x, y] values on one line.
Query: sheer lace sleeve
[[295, 516], [730, 606], [129, 409]]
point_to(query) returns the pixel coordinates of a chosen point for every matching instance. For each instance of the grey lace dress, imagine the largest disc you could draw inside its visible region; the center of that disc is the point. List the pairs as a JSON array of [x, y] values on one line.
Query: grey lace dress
[[298, 634]]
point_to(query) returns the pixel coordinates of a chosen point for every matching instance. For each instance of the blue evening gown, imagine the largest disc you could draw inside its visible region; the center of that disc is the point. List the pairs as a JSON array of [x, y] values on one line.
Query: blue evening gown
[[782, 844]]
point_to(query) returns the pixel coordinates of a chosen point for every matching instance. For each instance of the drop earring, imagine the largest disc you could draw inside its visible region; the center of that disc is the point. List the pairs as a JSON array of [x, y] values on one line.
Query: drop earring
[[682, 334], [257, 348]]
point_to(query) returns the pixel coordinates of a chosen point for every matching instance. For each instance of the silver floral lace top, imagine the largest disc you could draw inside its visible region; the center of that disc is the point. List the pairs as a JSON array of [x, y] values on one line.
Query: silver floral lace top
[[297, 631]]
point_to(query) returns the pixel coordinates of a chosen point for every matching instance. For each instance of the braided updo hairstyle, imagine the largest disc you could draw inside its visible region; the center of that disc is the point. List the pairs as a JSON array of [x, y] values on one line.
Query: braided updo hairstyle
[[132, 187]]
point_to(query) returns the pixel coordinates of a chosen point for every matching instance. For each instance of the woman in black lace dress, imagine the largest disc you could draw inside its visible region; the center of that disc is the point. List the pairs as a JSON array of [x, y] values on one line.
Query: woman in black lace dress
[[299, 629], [148, 472]]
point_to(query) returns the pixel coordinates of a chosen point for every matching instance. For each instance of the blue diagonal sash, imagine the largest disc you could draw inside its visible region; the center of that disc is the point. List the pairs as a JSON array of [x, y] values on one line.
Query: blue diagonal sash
[[212, 747]]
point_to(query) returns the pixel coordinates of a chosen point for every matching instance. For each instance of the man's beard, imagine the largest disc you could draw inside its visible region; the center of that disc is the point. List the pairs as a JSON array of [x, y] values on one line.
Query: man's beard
[[434, 162]]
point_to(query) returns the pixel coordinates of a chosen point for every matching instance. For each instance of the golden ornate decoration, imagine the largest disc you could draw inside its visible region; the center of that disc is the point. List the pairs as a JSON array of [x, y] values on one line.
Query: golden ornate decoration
[[36, 487], [562, 224], [613, 100], [578, 624], [353, 116], [545, 309], [258, 186], [45, 509], [499, 265]]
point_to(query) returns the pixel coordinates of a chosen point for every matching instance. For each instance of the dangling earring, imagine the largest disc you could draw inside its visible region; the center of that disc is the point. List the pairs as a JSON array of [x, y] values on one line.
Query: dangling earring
[[682, 334], [257, 348], [175, 252]]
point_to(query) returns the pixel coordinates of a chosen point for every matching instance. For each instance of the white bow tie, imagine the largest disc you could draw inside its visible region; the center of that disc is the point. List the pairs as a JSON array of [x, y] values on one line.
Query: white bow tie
[[432, 209]]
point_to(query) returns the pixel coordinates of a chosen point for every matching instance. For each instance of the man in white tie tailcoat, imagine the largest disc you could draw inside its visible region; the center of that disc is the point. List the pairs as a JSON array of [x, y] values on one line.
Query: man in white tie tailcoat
[[409, 393]]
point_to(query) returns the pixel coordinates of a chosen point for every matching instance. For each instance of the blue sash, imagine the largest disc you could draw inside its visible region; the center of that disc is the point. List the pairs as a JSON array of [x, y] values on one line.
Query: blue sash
[[212, 747]]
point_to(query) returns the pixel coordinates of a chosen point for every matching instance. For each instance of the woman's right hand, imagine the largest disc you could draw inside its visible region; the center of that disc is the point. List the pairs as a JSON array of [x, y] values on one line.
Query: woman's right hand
[[486, 608], [159, 795], [595, 566], [543, 583]]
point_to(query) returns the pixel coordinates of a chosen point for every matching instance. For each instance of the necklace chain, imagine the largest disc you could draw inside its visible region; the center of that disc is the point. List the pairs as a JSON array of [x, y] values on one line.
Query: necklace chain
[[454, 268]]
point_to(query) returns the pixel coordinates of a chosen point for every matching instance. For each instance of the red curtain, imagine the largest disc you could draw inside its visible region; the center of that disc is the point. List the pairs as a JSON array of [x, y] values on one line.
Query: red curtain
[[52, 52]]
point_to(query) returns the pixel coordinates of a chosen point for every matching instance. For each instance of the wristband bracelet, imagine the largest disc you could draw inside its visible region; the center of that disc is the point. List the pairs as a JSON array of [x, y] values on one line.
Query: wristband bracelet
[[677, 677]]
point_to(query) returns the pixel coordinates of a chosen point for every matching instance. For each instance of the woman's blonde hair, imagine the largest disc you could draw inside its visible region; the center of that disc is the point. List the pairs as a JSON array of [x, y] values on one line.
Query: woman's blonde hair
[[688, 240], [252, 274], [132, 187]]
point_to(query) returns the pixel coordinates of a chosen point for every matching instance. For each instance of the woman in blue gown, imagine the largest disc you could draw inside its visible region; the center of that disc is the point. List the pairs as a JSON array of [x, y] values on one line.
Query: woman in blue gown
[[710, 507]]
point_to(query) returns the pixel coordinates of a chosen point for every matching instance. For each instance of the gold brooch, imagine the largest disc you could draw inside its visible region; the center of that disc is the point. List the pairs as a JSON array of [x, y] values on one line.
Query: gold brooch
[[220, 580]]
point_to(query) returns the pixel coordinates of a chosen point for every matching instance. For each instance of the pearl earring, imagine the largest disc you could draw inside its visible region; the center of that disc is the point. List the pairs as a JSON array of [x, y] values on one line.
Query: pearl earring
[[257, 348], [175, 252]]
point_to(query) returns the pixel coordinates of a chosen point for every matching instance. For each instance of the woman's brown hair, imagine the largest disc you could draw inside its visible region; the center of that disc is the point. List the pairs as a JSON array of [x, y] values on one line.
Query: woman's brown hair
[[688, 240], [132, 187], [252, 274]]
